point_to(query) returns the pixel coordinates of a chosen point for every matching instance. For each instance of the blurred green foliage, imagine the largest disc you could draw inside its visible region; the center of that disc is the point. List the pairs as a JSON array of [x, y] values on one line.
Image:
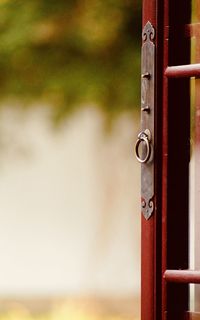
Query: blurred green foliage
[[71, 52]]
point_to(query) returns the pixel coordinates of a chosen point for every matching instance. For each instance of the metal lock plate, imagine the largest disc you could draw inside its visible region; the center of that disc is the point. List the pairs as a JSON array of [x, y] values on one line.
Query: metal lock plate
[[147, 118]]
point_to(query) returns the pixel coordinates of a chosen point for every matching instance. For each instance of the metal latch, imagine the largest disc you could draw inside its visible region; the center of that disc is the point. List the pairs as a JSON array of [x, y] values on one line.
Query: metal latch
[[144, 147]]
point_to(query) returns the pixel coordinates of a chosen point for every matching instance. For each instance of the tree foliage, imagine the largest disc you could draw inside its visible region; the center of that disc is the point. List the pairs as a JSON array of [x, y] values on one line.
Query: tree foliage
[[71, 52]]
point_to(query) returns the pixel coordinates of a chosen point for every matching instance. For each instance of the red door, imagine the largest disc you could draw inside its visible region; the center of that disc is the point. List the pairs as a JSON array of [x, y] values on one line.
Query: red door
[[168, 148]]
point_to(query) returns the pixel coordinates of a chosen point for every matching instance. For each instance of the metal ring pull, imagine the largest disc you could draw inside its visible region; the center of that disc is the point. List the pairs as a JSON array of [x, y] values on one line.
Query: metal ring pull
[[144, 136]]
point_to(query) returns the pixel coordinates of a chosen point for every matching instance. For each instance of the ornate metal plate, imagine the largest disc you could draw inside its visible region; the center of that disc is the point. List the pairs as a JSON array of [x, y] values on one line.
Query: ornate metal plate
[[147, 118]]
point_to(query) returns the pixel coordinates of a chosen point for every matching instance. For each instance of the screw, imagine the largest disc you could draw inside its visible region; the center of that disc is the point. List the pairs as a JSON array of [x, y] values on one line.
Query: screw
[[146, 109], [143, 204], [146, 75]]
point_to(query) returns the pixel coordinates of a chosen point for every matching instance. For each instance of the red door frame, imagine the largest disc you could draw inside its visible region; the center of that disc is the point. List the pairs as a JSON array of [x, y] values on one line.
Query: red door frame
[[165, 234]]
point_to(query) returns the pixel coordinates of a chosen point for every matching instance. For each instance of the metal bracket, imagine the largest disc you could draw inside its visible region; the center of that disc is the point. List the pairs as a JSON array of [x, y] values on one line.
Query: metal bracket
[[147, 119]]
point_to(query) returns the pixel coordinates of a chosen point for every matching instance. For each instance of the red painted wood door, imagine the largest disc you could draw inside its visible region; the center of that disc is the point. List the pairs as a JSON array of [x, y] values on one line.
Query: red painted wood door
[[170, 203]]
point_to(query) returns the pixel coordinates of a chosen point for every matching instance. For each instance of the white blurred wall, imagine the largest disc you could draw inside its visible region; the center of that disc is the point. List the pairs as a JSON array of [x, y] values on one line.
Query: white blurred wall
[[69, 205]]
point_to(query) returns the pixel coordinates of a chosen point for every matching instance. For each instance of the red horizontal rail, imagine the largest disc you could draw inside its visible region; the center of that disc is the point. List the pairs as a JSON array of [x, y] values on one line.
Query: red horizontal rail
[[192, 315], [188, 30], [192, 30], [187, 315], [182, 276], [184, 71]]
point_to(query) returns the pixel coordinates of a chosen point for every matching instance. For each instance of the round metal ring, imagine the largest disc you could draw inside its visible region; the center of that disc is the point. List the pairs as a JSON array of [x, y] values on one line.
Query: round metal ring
[[142, 137]]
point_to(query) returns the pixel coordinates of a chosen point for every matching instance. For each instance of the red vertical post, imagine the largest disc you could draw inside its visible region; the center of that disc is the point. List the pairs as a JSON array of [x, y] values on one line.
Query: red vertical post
[[148, 226], [175, 159], [197, 160], [165, 156], [151, 229]]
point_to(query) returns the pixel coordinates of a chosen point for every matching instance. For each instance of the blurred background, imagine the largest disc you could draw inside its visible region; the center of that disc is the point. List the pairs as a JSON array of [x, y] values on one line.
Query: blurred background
[[69, 181]]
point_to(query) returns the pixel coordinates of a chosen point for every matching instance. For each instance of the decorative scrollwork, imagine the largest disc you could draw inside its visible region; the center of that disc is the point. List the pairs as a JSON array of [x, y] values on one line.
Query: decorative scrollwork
[[148, 33], [147, 207]]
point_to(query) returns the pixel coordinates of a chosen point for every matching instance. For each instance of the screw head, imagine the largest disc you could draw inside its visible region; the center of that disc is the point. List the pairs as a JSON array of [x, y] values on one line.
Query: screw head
[[143, 203], [146, 75]]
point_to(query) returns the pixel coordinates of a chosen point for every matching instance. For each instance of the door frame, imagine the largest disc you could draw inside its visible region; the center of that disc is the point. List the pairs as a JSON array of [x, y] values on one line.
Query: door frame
[[160, 248]]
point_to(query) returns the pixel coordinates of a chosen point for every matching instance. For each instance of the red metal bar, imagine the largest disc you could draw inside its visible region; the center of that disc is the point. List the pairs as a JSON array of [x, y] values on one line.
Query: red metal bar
[[148, 227], [196, 157], [192, 30], [192, 316], [182, 276], [165, 156], [151, 229], [186, 316], [175, 159], [184, 71], [189, 30]]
